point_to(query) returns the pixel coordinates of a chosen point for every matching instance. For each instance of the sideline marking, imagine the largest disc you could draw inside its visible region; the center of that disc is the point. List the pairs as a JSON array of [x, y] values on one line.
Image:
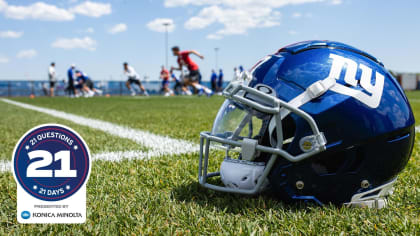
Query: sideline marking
[[4, 166], [158, 145]]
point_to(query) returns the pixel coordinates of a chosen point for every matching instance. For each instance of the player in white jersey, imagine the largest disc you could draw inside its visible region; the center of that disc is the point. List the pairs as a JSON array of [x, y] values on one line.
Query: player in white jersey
[[52, 77], [133, 77]]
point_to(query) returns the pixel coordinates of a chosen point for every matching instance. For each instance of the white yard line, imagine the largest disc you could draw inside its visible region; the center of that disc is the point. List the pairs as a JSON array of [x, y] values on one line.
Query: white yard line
[[121, 155], [159, 145], [4, 166]]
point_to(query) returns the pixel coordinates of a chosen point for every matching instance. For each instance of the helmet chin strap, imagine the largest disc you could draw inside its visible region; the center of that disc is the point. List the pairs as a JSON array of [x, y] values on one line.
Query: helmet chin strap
[[315, 90]]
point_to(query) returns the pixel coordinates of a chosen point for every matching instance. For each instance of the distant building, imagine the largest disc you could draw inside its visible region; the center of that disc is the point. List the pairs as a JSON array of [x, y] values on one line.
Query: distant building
[[408, 81]]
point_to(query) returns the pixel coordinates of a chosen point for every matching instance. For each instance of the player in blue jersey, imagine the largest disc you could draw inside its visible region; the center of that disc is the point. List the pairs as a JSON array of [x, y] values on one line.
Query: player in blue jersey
[[85, 84], [220, 82], [178, 86], [71, 76], [213, 81]]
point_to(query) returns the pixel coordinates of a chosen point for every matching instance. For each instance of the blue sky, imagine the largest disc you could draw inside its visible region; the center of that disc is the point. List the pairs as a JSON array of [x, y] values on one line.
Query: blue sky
[[99, 35]]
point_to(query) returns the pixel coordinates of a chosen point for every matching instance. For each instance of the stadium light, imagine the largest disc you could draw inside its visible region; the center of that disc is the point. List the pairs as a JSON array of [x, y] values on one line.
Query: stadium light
[[166, 24]]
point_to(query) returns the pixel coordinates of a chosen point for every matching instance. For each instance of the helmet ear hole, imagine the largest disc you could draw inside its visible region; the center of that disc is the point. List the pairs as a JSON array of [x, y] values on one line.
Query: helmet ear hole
[[288, 127]]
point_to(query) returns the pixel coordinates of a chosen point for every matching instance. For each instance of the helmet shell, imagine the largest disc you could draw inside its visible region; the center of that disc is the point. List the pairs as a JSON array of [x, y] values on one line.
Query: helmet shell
[[364, 142]]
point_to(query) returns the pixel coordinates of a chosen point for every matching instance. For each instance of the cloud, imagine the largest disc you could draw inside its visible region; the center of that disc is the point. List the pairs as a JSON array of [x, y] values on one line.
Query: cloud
[[292, 32], [180, 3], [336, 2], [10, 34], [89, 30], [237, 16], [214, 36], [157, 25], [234, 20], [3, 5], [48, 12], [38, 11], [4, 59], [118, 28], [27, 54], [72, 43], [92, 9], [298, 15], [240, 3]]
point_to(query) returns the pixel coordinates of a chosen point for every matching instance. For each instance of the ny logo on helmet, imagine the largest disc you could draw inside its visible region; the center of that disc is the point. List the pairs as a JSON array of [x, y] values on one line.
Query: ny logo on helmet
[[374, 92]]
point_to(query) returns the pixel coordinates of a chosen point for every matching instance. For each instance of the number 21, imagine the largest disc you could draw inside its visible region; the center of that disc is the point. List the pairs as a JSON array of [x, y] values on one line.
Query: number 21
[[47, 159]]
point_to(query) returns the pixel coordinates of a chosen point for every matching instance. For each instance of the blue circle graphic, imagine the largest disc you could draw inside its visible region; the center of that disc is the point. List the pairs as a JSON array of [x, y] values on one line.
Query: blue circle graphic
[[51, 162], [25, 215]]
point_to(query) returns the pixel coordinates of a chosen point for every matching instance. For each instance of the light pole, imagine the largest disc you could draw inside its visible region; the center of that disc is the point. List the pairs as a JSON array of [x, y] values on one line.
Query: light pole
[[216, 50], [166, 24]]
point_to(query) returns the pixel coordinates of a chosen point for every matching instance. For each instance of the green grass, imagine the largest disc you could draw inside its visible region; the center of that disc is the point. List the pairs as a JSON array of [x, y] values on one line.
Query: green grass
[[177, 117], [15, 121], [162, 196], [414, 97]]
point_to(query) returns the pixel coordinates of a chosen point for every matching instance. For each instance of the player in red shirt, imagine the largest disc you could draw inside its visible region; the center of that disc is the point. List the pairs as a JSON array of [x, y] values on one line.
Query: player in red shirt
[[164, 75], [194, 75]]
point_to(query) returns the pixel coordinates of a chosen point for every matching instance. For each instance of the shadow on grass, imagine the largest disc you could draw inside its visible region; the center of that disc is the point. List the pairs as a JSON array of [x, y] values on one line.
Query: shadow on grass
[[234, 203]]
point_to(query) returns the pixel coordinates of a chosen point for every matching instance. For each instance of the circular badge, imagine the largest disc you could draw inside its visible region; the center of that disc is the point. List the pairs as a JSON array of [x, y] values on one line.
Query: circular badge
[[51, 162]]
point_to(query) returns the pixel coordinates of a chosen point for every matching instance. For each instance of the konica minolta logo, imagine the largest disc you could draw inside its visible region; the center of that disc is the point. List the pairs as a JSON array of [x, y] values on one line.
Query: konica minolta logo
[[25, 215], [56, 215]]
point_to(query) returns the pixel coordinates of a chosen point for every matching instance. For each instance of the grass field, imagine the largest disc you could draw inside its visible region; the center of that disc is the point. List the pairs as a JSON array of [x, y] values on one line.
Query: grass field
[[161, 195]]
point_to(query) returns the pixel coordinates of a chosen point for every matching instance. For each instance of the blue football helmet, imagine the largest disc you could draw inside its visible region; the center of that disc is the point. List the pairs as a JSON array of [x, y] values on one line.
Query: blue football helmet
[[316, 121]]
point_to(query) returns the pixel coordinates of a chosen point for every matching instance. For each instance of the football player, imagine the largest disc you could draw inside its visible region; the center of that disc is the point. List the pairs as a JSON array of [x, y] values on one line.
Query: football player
[[71, 76], [179, 84], [164, 75], [213, 80], [85, 84], [52, 77], [194, 75], [220, 82], [133, 78]]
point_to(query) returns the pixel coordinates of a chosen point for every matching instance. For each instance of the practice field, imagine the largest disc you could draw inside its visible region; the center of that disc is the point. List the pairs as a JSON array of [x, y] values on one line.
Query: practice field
[[146, 182]]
